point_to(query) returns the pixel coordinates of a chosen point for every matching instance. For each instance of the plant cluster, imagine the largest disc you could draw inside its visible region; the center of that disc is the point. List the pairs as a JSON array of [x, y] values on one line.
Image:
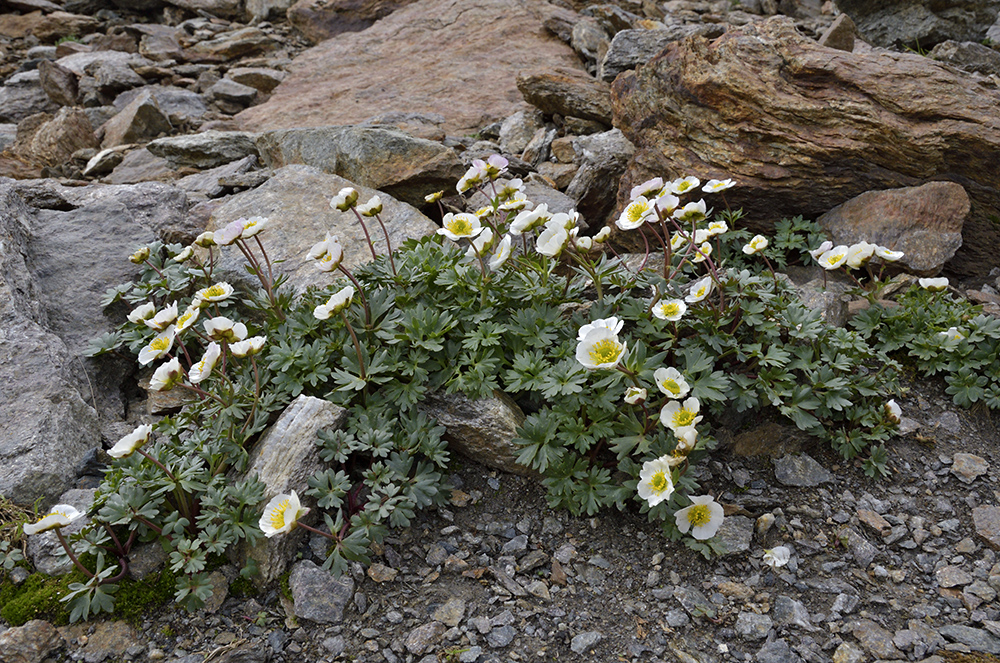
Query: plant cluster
[[621, 367]]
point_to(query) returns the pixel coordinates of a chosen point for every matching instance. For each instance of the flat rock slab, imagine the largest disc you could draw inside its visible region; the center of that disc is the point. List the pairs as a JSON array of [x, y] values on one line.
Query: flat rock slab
[[317, 595], [297, 201], [460, 60], [803, 128], [987, 522], [800, 470]]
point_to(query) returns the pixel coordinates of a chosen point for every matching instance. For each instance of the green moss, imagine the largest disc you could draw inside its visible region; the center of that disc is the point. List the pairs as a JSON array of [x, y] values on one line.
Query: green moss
[[286, 589], [135, 598], [37, 598], [243, 587]]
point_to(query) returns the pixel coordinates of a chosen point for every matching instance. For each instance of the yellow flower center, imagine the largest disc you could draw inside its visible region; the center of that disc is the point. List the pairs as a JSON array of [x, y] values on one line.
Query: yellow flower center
[[460, 226], [160, 344], [605, 351], [278, 515], [683, 186], [701, 291], [671, 309], [673, 388], [683, 418], [215, 291], [699, 515], [635, 211], [836, 257], [250, 224], [659, 482]]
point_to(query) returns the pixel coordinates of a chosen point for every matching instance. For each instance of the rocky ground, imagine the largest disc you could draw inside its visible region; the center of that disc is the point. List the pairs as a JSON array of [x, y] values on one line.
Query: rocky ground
[[903, 569]]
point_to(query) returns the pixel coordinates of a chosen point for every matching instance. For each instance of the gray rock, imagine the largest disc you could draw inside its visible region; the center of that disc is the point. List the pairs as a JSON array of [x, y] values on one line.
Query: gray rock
[[114, 77], [284, 459], [423, 638], [974, 638], [920, 21], [952, 576], [969, 56], [140, 166], [207, 149], [789, 612], [235, 44], [590, 40], [800, 470], [694, 602], [317, 595], [138, 122], [451, 612], [582, 642], [231, 96], [537, 150], [630, 48], [405, 167], [335, 646], [44, 549], [262, 10], [517, 130], [297, 201], [179, 104], [104, 161], [58, 82], [845, 604], [501, 636], [735, 534], [875, 639], [777, 651], [602, 158], [261, 79], [48, 427], [108, 640], [79, 63], [206, 184], [566, 91], [848, 653], [22, 95], [8, 134], [987, 522], [752, 626], [862, 550], [30, 643]]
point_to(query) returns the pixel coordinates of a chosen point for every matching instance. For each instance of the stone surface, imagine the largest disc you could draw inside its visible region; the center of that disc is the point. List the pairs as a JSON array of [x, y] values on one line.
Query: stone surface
[[581, 643], [735, 534], [44, 549], [987, 522], [777, 651], [373, 75], [800, 470], [602, 158], [405, 167], [819, 129], [108, 640], [239, 43], [48, 427], [630, 48], [752, 626], [967, 467], [481, 429], [140, 121], [30, 643], [968, 55], [920, 23], [423, 638], [789, 612], [22, 95], [207, 149], [566, 91], [55, 140], [974, 638], [178, 104], [58, 82], [923, 222], [297, 201], [259, 78], [317, 595], [319, 20], [875, 639], [840, 34]]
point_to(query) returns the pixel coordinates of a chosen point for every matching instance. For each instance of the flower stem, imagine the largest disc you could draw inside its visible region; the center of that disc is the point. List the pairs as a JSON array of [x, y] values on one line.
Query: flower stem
[[361, 293], [72, 555], [364, 227], [357, 346], [388, 244]]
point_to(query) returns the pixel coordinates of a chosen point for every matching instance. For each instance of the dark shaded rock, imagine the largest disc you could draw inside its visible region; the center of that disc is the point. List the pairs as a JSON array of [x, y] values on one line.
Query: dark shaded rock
[[567, 92], [630, 48], [22, 96], [968, 55], [921, 23], [140, 121], [58, 82], [319, 20], [602, 158], [800, 470]]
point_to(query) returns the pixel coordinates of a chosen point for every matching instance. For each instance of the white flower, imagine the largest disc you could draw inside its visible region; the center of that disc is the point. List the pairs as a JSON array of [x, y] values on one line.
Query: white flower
[[717, 228], [495, 165], [473, 176], [126, 446], [715, 186], [679, 417], [188, 317], [332, 256], [230, 233], [281, 514], [553, 239], [859, 254], [933, 285], [833, 258], [888, 255], [202, 369], [184, 255], [671, 382], [319, 249], [483, 212], [142, 313], [582, 244], [206, 239], [656, 483], [345, 199], [567, 220], [635, 395], [254, 225], [703, 518], [612, 323], [692, 212], [677, 240], [952, 334], [215, 293], [758, 243], [700, 290], [529, 220], [158, 346], [777, 557], [603, 235], [460, 226], [600, 349], [702, 252], [224, 329], [502, 253], [821, 249], [635, 214], [669, 309], [250, 346], [58, 516], [893, 410], [163, 318], [166, 376], [511, 189], [648, 189], [701, 235], [517, 201], [481, 244], [140, 256], [684, 184], [371, 208], [338, 302], [666, 203], [433, 197]]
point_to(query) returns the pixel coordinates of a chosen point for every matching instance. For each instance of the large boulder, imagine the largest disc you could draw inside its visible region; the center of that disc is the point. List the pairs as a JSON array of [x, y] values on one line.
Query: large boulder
[[319, 20], [460, 61], [921, 23], [803, 128]]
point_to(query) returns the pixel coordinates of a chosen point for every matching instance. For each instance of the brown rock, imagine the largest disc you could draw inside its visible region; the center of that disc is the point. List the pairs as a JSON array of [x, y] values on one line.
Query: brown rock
[[19, 27], [54, 141], [967, 467], [803, 128], [840, 35], [318, 20], [231, 45], [923, 222], [454, 64], [30, 643], [987, 522], [57, 25], [567, 92], [140, 121], [874, 521], [58, 82]]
